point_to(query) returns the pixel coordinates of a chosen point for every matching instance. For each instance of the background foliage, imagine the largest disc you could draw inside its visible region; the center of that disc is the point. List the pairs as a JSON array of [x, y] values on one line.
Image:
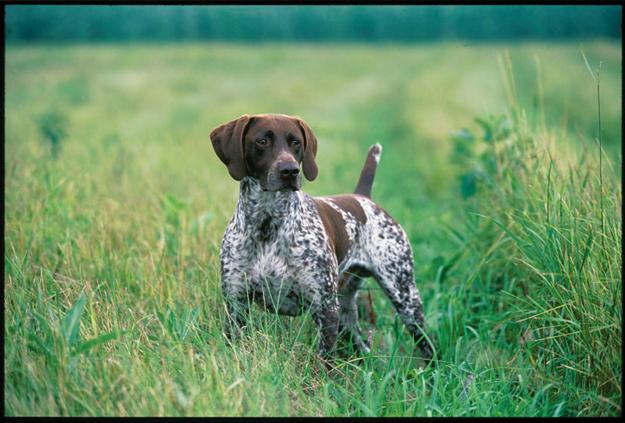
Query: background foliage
[[309, 23]]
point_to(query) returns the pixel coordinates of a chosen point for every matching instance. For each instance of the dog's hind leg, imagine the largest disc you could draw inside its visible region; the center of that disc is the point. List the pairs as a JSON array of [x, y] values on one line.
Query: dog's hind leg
[[401, 290], [407, 302], [393, 270]]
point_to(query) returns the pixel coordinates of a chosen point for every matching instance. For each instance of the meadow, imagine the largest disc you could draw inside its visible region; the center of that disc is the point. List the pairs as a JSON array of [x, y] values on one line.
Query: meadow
[[115, 206]]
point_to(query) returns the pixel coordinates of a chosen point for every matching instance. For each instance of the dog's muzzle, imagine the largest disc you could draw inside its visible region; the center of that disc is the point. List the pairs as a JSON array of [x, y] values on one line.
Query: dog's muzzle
[[286, 176]]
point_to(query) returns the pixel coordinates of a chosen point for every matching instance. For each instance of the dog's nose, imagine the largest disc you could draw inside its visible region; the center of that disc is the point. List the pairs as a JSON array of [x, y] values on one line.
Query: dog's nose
[[288, 169]]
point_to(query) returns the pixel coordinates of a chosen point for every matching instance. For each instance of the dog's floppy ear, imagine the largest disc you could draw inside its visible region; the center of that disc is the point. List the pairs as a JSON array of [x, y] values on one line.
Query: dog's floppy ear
[[227, 141], [310, 150]]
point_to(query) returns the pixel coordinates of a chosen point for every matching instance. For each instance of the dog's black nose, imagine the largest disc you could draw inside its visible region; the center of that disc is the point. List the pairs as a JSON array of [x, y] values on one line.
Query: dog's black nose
[[288, 170]]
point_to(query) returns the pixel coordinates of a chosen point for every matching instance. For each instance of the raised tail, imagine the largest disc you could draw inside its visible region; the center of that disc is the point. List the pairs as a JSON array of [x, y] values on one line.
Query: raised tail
[[368, 171]]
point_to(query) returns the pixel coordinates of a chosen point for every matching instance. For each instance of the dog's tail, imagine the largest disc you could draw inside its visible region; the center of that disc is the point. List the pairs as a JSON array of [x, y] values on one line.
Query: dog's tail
[[368, 171]]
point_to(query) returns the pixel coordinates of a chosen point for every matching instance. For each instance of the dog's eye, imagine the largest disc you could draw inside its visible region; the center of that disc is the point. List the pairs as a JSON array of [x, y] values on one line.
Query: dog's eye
[[296, 143], [262, 142]]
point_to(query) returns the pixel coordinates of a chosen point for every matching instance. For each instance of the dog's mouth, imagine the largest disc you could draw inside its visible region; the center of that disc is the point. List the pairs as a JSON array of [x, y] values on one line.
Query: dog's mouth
[[287, 188], [283, 184], [291, 184]]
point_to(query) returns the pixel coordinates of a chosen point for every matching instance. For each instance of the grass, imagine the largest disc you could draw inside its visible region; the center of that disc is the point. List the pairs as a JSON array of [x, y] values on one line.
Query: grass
[[115, 205]]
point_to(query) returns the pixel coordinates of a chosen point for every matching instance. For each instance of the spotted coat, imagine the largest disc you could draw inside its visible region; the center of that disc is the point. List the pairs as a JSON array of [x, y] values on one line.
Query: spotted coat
[[277, 251]]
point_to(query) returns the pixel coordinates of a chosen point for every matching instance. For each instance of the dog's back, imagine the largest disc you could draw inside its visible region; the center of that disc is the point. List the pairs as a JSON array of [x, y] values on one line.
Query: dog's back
[[343, 214]]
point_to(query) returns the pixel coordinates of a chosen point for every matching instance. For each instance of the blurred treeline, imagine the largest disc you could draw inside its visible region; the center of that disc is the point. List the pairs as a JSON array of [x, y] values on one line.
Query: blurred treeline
[[308, 23]]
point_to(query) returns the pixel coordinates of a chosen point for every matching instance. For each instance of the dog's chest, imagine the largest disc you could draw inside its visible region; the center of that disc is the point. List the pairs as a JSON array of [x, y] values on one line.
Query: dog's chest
[[269, 261], [272, 255], [276, 247]]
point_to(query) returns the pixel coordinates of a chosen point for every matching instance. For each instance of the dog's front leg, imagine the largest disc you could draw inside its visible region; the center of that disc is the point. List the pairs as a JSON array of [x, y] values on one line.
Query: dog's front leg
[[236, 310], [233, 280], [325, 311], [327, 320]]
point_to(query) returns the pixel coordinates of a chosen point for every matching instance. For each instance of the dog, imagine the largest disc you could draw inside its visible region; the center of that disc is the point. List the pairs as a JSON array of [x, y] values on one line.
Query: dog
[[290, 252]]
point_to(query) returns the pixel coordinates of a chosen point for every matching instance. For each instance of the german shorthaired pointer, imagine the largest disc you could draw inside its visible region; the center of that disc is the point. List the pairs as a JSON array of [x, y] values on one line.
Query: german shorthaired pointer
[[290, 252]]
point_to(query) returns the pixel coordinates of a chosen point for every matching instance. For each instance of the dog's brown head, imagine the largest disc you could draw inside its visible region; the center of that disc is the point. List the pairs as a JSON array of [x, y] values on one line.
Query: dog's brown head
[[267, 147]]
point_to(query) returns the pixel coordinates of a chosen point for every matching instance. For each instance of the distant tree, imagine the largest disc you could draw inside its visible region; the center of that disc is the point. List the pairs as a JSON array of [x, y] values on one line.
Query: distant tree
[[74, 23]]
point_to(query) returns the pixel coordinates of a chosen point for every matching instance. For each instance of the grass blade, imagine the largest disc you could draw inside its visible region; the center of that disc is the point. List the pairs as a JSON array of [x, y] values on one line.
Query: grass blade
[[70, 326], [98, 340]]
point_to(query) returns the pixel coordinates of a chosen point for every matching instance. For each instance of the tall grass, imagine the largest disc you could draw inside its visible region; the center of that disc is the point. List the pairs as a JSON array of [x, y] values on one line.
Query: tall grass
[[558, 235], [115, 206]]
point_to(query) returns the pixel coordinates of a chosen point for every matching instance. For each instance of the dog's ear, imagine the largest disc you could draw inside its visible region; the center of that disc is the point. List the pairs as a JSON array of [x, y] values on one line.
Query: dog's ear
[[310, 150], [227, 141]]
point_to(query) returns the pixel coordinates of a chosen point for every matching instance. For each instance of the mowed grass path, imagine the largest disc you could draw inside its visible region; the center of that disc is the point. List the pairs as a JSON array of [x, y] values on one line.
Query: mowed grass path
[[112, 190]]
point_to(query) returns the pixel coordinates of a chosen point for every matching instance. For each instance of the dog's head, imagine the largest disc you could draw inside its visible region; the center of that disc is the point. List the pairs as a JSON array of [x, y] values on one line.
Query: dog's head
[[267, 147]]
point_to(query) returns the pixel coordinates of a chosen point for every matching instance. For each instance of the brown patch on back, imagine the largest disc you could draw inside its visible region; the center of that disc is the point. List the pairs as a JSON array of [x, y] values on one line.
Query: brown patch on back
[[335, 229], [335, 225], [349, 203]]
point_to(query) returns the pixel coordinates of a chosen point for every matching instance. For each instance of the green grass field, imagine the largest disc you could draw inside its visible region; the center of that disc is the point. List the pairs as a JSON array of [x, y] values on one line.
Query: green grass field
[[115, 206]]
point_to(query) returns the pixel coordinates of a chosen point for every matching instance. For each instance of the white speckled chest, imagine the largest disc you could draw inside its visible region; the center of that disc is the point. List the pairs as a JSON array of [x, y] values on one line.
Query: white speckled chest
[[271, 268], [265, 254]]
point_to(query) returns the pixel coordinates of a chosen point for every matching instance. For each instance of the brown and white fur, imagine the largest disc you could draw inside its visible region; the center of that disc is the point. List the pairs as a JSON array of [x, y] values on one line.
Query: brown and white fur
[[290, 252]]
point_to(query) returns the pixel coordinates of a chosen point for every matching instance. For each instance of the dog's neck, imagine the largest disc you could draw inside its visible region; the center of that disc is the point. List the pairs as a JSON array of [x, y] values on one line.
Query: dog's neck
[[256, 205]]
